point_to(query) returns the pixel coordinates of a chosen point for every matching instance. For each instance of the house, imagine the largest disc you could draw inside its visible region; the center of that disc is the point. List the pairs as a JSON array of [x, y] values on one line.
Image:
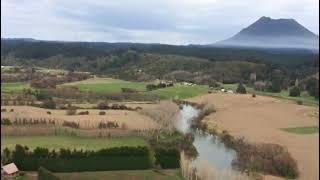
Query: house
[[9, 169]]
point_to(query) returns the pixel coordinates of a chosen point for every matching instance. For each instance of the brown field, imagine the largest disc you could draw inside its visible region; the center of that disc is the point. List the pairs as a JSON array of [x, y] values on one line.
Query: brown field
[[260, 119], [132, 120]]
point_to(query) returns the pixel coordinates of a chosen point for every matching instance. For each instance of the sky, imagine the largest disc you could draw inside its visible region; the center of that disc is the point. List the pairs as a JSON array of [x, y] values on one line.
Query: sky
[[176, 22]]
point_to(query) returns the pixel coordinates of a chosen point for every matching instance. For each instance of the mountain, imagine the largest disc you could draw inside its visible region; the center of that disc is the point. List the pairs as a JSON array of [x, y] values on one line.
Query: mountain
[[277, 33]]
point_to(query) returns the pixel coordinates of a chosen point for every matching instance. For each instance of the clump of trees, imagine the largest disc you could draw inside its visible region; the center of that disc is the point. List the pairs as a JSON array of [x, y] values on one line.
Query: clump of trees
[[294, 91], [241, 89], [214, 84], [151, 87]]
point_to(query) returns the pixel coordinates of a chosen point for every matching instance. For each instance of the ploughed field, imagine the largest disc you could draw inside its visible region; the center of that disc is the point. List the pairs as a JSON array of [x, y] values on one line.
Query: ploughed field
[[269, 120]]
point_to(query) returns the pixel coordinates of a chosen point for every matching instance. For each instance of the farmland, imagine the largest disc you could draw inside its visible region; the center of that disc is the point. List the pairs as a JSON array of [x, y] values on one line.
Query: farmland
[[14, 87], [268, 120], [284, 94], [303, 130], [107, 85], [71, 142], [123, 175]]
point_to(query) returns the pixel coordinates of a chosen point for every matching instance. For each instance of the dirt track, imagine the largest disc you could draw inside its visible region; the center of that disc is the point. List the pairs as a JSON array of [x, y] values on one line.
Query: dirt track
[[260, 119]]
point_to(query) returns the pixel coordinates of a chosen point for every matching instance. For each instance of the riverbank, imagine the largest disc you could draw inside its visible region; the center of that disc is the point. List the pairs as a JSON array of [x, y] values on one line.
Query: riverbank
[[262, 119]]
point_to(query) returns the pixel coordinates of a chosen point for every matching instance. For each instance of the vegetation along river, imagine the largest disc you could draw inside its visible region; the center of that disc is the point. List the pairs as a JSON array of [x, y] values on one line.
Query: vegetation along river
[[210, 149]]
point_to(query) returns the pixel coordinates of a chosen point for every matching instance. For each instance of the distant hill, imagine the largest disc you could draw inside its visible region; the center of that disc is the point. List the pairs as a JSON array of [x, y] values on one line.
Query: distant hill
[[276, 33]]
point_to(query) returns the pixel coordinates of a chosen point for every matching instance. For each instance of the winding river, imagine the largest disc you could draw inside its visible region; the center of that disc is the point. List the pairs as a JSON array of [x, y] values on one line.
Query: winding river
[[210, 149]]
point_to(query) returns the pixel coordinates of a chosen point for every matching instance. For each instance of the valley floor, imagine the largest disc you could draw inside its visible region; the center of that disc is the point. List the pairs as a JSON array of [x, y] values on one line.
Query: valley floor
[[262, 119]]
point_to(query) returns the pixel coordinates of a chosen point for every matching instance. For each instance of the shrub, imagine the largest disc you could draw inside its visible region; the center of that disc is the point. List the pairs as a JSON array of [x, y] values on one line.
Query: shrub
[[71, 111], [151, 87], [49, 104], [103, 105], [102, 113], [299, 102], [3, 110], [83, 113], [48, 112], [128, 90], [312, 87], [167, 158], [6, 122], [294, 91], [241, 89], [11, 110], [71, 124], [214, 84], [267, 158], [253, 95], [44, 174]]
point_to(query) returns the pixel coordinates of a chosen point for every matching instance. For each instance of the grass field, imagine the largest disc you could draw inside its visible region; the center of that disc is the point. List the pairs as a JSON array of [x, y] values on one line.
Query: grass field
[[108, 85], [284, 94], [57, 142], [115, 85], [14, 87], [181, 92], [302, 130], [123, 175]]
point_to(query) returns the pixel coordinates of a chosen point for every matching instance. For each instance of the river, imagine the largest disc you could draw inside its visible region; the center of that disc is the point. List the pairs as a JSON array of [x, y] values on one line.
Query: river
[[210, 149]]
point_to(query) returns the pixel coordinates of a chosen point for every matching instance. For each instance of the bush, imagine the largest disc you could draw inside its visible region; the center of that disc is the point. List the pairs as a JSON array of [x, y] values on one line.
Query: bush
[[49, 104], [103, 105], [128, 90], [83, 113], [214, 84], [71, 124], [253, 95], [313, 87], [151, 87], [44, 174], [66, 160], [167, 158], [241, 89], [6, 122], [267, 158], [71, 111], [299, 102], [294, 91], [102, 113]]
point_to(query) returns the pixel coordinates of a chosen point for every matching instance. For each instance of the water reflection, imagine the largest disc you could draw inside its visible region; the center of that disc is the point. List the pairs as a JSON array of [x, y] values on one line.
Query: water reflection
[[209, 147]]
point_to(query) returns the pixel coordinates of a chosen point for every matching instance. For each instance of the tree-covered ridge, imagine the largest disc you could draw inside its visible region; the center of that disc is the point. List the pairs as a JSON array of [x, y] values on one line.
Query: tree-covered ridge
[[45, 49]]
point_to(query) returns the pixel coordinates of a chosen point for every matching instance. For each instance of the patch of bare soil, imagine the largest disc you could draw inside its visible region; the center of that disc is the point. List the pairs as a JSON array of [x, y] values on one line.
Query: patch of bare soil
[[260, 119]]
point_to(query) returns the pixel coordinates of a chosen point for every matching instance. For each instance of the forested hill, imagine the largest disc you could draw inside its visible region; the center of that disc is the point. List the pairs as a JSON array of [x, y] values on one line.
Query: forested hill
[[34, 49], [144, 62]]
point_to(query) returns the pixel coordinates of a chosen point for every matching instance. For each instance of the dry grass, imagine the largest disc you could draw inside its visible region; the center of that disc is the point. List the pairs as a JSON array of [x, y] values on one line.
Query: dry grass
[[261, 119], [131, 120], [165, 114], [202, 170]]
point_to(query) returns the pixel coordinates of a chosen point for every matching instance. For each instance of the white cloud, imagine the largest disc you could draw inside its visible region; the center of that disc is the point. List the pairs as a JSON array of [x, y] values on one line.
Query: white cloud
[[165, 21]]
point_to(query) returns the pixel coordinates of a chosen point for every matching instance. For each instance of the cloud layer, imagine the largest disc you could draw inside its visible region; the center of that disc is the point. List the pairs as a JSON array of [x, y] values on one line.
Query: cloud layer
[[165, 21]]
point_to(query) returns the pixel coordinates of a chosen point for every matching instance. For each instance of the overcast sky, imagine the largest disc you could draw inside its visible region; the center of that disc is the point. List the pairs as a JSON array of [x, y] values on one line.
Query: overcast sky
[[146, 21]]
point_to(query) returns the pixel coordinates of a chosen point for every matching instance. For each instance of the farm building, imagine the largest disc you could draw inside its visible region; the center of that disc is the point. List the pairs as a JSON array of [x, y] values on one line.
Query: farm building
[[9, 169]]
